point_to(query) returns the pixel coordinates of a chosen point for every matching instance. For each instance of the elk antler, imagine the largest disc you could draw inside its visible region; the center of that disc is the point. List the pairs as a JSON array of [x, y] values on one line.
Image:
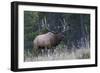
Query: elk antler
[[45, 24], [64, 25]]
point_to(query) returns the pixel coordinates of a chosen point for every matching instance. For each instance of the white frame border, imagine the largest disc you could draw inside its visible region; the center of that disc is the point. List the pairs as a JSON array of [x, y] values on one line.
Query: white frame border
[[22, 64]]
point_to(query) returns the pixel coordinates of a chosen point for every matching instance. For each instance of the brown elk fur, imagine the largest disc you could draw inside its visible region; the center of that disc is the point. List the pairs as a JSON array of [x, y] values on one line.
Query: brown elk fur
[[47, 40]]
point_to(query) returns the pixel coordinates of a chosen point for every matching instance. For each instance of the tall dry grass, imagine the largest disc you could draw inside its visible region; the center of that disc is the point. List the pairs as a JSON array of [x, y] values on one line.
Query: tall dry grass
[[60, 53]]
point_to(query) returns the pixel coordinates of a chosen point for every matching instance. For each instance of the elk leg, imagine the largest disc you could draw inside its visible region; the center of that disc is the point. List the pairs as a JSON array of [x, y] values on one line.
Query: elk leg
[[46, 52], [34, 52], [51, 51]]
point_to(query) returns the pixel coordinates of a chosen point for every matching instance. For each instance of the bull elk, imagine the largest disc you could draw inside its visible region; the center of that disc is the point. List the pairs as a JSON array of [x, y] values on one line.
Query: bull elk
[[47, 41]]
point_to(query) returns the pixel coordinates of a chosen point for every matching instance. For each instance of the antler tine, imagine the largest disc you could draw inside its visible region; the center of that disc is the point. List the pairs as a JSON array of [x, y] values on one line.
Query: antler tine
[[63, 22], [42, 23], [67, 26], [64, 26], [45, 20], [46, 24]]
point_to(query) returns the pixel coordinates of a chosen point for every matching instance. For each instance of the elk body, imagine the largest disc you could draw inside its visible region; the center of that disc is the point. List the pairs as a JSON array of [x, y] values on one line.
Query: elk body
[[47, 41]]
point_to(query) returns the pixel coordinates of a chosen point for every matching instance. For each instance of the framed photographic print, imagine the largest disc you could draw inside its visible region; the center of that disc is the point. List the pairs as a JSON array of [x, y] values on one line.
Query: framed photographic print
[[52, 36]]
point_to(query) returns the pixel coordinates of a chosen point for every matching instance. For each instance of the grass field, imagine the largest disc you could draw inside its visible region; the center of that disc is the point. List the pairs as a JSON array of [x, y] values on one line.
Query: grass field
[[58, 54]]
